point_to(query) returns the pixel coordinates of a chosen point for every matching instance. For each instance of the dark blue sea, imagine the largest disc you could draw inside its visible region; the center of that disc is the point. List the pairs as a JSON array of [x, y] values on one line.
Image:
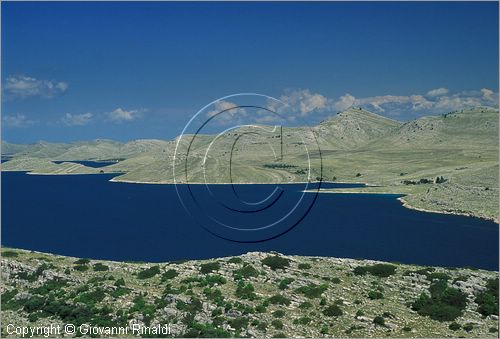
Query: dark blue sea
[[94, 164], [88, 216]]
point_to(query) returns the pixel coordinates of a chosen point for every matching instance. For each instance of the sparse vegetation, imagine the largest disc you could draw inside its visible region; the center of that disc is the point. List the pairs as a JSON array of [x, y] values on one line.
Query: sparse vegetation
[[488, 300], [149, 272], [444, 303], [379, 321], [246, 271], [333, 311], [229, 303], [279, 299], [276, 262], [209, 267], [100, 267], [284, 283], [9, 254], [170, 274], [312, 290], [379, 270], [373, 295]]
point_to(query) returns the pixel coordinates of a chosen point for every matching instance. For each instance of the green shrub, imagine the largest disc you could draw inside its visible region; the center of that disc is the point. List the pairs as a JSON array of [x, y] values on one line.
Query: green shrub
[[488, 300], [238, 323], [444, 304], [493, 329], [193, 306], [9, 254], [454, 326], [245, 291], [8, 300], [388, 315], [302, 321], [197, 330], [304, 266], [333, 311], [49, 286], [283, 285], [98, 267], [305, 304], [279, 335], [277, 324], [213, 294], [260, 309], [246, 271], [407, 329], [81, 268], [92, 297], [209, 267], [81, 262], [119, 291], [120, 282], [279, 314], [278, 299], [149, 272], [373, 295], [262, 326], [211, 280], [170, 274], [378, 270], [276, 262], [360, 313], [335, 280], [312, 290], [380, 321], [235, 260]]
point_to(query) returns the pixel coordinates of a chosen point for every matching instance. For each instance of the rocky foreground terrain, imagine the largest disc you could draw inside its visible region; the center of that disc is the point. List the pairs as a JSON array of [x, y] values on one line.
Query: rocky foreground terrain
[[252, 295]]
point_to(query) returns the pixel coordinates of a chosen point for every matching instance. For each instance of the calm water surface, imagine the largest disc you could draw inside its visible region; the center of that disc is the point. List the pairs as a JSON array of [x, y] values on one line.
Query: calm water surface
[[88, 216], [94, 164]]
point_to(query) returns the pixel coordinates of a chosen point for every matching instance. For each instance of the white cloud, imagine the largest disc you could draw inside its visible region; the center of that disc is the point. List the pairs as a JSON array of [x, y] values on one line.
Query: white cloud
[[23, 86], [432, 104], [229, 109], [120, 115], [437, 92], [344, 102], [489, 95], [17, 120], [77, 119], [303, 102]]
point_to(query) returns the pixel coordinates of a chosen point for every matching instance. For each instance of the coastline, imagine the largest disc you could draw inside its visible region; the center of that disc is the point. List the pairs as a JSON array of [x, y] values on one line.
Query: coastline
[[219, 183], [346, 260], [408, 205]]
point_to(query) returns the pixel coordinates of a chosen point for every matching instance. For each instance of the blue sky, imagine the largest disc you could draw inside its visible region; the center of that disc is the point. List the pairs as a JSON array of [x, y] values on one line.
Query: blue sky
[[76, 71]]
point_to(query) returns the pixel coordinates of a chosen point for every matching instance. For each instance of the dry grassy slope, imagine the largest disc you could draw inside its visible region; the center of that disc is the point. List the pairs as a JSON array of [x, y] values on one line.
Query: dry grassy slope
[[353, 128], [41, 149], [466, 129]]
